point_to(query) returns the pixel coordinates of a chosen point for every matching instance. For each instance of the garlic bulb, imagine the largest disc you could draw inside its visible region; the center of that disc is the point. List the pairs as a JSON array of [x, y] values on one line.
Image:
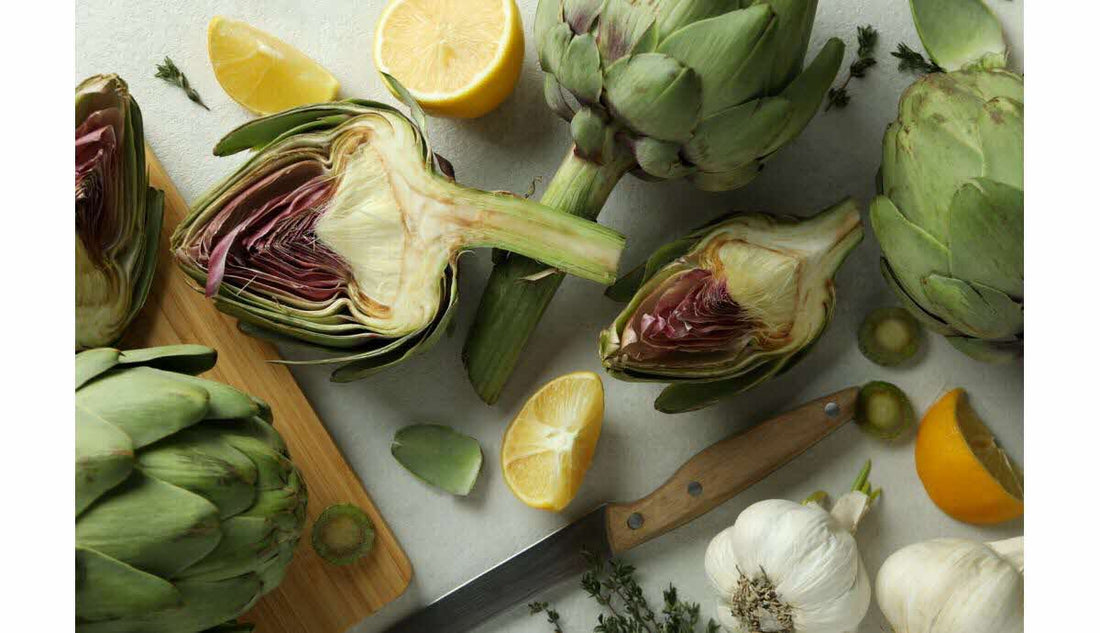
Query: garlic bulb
[[951, 585], [785, 567]]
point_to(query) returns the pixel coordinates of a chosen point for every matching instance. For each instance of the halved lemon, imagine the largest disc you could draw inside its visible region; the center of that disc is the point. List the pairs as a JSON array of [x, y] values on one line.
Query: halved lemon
[[457, 58], [262, 72], [963, 469], [548, 447]]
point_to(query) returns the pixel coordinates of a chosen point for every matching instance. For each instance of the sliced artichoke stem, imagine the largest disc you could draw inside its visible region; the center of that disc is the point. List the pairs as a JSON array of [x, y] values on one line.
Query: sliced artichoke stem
[[343, 534], [883, 410]]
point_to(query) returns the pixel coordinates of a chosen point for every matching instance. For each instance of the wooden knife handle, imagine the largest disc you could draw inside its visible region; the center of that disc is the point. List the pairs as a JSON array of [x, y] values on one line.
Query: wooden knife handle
[[726, 468]]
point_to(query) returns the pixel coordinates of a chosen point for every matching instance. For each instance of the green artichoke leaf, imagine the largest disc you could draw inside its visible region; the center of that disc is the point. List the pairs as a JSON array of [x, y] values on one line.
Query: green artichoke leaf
[[655, 95], [104, 457], [730, 53], [735, 136], [727, 180], [225, 402], [579, 71], [987, 236], [960, 33], [913, 254], [108, 589], [590, 133], [439, 455], [926, 318], [92, 363], [580, 15], [988, 351], [974, 309], [247, 542], [184, 358], [548, 15], [659, 158], [1001, 130], [178, 528], [157, 404], [626, 27], [553, 46], [205, 605], [625, 288], [272, 468], [684, 397], [198, 459], [672, 15], [555, 98], [795, 20], [258, 133], [807, 90]]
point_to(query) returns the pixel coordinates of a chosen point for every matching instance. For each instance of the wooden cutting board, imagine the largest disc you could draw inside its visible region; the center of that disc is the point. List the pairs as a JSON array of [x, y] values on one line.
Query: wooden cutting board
[[315, 597]]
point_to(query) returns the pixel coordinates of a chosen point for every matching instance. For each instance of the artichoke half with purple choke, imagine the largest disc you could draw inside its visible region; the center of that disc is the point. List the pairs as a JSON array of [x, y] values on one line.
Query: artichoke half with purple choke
[[343, 231], [730, 305], [118, 215]]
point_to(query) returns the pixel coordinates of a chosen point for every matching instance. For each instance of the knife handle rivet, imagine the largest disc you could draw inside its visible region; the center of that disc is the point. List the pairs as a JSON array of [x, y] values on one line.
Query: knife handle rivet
[[832, 409], [695, 488], [635, 521]]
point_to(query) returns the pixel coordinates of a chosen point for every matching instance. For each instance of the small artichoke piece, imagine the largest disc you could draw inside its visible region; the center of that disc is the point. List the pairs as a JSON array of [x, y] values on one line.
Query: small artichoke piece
[[343, 534], [884, 411], [950, 219], [342, 232], [729, 306], [439, 455], [890, 336], [118, 216]]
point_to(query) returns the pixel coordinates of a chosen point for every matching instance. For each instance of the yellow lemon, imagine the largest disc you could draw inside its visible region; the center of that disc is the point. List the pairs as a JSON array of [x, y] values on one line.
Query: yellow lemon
[[262, 72], [963, 470], [548, 447], [457, 58]]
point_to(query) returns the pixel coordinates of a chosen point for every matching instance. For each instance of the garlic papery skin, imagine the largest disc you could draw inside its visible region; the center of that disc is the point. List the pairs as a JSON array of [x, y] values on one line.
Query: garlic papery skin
[[951, 585], [786, 567]]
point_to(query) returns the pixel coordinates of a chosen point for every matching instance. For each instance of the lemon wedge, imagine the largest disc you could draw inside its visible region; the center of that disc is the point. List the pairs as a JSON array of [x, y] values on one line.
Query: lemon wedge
[[457, 58], [262, 72], [548, 447]]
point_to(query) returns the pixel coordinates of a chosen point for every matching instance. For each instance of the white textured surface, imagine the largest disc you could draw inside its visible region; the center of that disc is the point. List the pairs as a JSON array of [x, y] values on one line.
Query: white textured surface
[[450, 539]]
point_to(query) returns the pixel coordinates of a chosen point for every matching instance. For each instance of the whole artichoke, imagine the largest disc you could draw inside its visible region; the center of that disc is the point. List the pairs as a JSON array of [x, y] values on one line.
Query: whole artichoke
[[118, 216], [188, 508], [706, 90], [343, 231], [730, 305], [950, 219]]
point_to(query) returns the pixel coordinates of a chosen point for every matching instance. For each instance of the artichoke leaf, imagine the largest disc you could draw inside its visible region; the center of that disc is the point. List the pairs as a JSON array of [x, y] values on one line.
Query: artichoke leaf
[[659, 158], [104, 457], [672, 15], [975, 309], [987, 235], [157, 404], [627, 285], [553, 47], [580, 15], [626, 27], [795, 19], [655, 95], [177, 527], [108, 589], [556, 99], [926, 318], [807, 90], [205, 605], [683, 397], [258, 133], [1001, 130], [988, 351], [960, 33], [727, 180], [92, 363], [184, 358], [247, 542], [439, 455], [913, 254], [737, 135]]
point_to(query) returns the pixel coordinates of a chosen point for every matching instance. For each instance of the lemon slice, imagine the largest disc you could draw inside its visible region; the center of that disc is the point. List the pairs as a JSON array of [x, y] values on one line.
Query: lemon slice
[[962, 468], [548, 447], [262, 72], [458, 58]]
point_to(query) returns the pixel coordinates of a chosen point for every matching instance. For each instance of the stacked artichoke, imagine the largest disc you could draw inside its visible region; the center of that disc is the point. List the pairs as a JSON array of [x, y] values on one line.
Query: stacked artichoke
[[188, 507], [343, 231], [118, 216], [950, 219], [730, 305], [706, 90]]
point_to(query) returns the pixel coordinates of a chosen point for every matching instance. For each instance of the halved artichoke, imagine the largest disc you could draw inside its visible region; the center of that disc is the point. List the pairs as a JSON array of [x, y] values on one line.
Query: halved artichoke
[[342, 231], [729, 306], [118, 216]]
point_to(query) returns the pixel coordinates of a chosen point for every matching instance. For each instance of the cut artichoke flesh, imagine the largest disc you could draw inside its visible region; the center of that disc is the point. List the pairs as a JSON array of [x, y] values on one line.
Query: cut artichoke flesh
[[341, 232], [343, 534], [118, 216], [742, 300]]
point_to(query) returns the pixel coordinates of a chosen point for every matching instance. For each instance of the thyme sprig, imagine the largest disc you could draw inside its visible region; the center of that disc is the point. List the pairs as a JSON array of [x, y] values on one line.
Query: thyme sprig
[[910, 60], [169, 72], [867, 38], [612, 584]]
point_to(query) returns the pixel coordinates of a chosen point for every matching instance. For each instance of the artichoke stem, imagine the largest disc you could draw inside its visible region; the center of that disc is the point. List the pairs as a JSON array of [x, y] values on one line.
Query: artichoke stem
[[512, 303]]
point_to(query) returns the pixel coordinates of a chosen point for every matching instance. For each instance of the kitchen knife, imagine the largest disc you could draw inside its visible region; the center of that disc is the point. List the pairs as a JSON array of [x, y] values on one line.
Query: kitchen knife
[[708, 479]]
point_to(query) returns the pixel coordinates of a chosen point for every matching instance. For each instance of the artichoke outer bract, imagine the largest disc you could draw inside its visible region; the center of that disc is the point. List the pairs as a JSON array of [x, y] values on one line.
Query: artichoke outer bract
[[950, 219], [118, 216], [343, 231], [188, 507], [729, 306]]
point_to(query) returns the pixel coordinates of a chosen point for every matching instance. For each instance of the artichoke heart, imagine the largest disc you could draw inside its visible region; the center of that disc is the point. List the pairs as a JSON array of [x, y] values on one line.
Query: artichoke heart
[[118, 216], [730, 305], [343, 232]]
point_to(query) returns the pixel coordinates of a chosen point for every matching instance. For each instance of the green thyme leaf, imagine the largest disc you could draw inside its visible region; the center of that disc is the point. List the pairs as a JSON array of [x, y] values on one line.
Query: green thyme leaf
[[910, 60], [867, 39], [169, 72]]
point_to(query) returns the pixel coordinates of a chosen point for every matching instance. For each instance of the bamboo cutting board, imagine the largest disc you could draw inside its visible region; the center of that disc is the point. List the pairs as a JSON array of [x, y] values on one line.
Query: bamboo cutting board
[[315, 597]]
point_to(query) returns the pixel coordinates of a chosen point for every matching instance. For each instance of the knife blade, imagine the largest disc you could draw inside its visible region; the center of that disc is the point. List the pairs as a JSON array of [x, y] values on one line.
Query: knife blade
[[704, 482]]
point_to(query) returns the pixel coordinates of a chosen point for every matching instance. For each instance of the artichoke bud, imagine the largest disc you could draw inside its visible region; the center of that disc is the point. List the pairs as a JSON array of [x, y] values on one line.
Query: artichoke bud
[[339, 232], [743, 297], [590, 133], [118, 216]]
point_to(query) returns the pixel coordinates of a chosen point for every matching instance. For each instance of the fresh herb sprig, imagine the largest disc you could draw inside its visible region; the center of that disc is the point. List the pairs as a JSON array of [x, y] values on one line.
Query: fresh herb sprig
[[613, 586], [910, 60], [169, 72], [867, 38]]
